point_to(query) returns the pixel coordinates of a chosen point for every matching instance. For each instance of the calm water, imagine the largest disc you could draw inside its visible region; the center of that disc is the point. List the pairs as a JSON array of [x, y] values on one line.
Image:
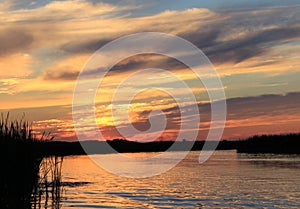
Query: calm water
[[226, 180]]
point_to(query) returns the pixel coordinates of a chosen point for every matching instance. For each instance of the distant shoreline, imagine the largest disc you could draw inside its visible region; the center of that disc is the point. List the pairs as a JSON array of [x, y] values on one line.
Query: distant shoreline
[[280, 144]]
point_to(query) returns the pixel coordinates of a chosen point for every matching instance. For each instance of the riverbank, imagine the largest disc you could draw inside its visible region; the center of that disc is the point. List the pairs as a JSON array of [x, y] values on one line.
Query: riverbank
[[281, 144]]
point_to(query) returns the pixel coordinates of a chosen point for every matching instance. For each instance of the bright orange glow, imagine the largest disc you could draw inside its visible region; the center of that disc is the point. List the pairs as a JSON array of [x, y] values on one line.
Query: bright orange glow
[[43, 48]]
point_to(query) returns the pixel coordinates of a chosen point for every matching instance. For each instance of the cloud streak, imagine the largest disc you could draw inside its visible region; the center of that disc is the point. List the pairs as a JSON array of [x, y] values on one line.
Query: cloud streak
[[245, 117], [14, 40], [223, 36]]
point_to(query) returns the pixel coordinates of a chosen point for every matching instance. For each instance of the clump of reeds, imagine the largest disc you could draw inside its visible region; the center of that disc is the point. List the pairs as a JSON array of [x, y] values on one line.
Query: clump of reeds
[[14, 131], [22, 158], [19, 131], [48, 191]]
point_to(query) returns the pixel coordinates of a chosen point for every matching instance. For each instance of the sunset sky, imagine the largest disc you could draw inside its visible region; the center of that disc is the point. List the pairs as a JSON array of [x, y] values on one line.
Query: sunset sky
[[254, 46]]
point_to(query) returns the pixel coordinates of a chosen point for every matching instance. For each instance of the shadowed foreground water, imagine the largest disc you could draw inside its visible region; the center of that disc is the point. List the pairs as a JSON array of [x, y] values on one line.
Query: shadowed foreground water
[[227, 180]]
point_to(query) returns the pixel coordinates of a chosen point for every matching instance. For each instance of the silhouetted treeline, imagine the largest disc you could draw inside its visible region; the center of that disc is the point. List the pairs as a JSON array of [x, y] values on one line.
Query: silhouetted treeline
[[287, 143], [281, 144], [122, 146]]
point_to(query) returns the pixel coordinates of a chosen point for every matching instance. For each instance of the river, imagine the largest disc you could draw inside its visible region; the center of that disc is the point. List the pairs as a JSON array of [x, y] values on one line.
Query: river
[[226, 180]]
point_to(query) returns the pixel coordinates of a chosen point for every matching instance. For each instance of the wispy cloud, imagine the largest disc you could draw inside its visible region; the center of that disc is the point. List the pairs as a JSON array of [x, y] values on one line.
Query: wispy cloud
[[58, 11], [245, 116]]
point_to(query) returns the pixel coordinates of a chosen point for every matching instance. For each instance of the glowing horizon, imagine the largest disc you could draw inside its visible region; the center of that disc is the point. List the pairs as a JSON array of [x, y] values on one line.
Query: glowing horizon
[[45, 44]]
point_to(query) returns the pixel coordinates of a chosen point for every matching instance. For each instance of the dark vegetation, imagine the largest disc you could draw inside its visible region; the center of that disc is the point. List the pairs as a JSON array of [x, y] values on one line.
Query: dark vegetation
[[282, 144], [123, 146], [27, 174], [278, 144]]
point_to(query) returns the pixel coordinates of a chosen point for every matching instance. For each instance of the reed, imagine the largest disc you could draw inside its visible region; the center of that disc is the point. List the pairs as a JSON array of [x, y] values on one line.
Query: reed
[[48, 191], [25, 166], [19, 131]]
